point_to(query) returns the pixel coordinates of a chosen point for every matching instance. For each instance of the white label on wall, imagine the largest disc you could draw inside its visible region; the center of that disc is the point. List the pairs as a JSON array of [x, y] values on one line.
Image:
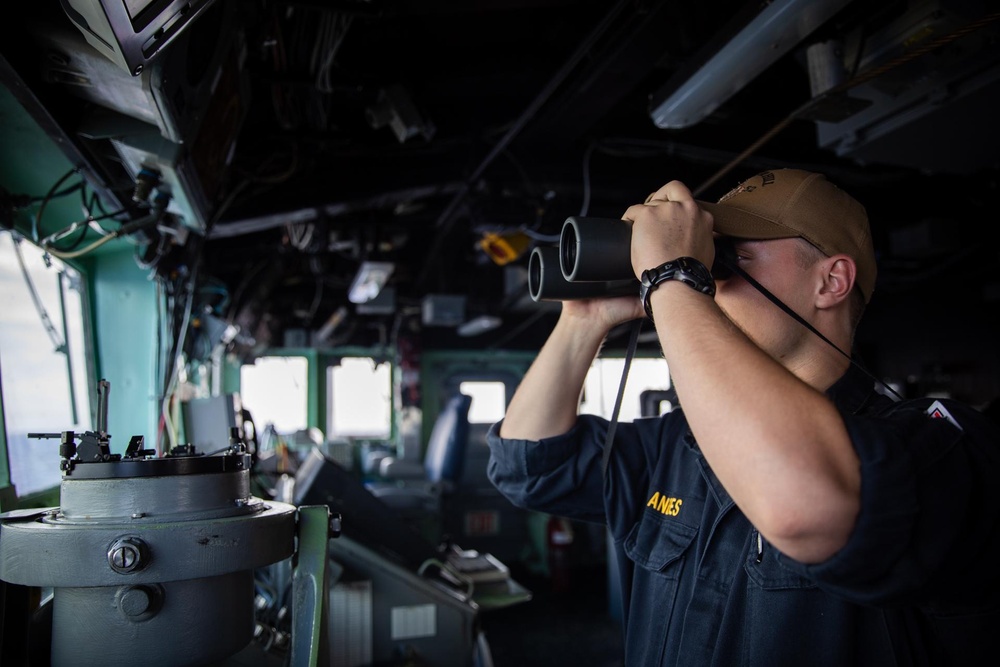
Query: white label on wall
[[414, 621]]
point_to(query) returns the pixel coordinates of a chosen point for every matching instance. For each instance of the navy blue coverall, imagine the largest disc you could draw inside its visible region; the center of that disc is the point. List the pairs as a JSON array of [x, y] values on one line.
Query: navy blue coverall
[[915, 584]]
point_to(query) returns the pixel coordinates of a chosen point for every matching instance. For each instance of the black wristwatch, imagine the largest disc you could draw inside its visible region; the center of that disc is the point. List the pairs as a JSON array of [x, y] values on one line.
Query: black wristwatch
[[688, 270]]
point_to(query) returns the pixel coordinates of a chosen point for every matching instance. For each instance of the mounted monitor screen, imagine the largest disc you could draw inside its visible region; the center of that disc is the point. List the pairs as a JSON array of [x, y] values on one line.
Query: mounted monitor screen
[[131, 32]]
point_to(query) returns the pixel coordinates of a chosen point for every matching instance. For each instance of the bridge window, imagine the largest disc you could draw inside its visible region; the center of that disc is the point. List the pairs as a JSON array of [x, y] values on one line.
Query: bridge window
[[275, 391], [43, 360], [489, 401], [360, 398], [601, 386]]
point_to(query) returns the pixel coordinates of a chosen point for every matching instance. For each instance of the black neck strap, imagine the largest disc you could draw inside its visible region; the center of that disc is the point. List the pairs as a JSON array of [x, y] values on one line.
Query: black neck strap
[[732, 266], [634, 339]]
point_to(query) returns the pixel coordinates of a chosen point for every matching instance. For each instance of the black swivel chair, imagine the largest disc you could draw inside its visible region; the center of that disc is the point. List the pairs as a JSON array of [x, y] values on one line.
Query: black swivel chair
[[418, 492]]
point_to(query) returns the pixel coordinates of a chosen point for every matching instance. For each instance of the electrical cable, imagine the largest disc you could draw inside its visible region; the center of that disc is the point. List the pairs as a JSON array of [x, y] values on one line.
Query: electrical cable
[[279, 100], [445, 221], [585, 206], [131, 227], [88, 223], [221, 290], [317, 298], [179, 335], [72, 254], [333, 31], [62, 193], [535, 236], [158, 354], [79, 239], [238, 294], [37, 220], [176, 352], [50, 329]]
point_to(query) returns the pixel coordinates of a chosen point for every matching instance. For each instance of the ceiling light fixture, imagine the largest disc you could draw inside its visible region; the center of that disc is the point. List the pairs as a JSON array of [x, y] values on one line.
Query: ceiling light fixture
[[780, 26], [369, 281]]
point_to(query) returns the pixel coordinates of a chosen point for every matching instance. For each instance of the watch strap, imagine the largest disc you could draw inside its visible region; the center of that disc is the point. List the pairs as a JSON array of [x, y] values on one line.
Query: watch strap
[[687, 270]]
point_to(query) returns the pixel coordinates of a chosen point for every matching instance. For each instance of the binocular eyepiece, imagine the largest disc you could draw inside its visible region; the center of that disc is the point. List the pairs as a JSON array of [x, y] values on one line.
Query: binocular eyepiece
[[594, 259]]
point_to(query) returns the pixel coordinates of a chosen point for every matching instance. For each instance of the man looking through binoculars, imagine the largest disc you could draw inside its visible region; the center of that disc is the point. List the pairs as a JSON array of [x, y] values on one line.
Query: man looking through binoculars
[[813, 520]]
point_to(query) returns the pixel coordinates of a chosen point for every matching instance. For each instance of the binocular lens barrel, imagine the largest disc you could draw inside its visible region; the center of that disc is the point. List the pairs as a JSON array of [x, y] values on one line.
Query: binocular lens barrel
[[601, 249], [594, 259], [547, 283], [595, 249]]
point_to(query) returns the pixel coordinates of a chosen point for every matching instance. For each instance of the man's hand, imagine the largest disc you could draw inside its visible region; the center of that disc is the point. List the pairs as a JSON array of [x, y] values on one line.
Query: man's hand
[[669, 225], [545, 403], [603, 314]]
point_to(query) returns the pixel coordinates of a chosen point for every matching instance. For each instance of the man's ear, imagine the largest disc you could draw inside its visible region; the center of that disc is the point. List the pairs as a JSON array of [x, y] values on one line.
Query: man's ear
[[839, 273]]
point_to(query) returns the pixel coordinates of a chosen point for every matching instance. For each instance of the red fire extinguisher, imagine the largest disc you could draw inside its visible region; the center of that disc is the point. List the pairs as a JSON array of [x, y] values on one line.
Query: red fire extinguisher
[[560, 543]]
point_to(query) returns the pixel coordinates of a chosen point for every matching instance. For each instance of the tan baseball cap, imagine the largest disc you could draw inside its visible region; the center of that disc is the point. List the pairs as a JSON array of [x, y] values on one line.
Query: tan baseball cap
[[784, 203]]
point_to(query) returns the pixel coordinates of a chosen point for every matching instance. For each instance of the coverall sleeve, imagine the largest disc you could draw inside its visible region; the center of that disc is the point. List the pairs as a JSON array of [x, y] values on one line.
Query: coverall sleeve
[[561, 475], [928, 530]]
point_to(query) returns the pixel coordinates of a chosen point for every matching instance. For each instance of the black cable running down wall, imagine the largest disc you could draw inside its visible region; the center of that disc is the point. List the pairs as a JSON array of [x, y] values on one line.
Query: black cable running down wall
[[448, 216]]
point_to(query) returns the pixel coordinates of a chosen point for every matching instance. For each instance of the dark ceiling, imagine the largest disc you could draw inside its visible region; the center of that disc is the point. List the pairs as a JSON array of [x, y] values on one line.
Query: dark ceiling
[[308, 137]]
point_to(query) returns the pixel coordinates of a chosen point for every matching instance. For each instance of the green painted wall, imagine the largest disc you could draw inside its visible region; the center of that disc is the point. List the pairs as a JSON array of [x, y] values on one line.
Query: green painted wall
[[30, 164], [123, 300]]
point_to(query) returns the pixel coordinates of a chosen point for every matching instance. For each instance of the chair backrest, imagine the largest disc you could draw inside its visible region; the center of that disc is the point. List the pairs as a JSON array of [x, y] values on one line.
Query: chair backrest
[[446, 447]]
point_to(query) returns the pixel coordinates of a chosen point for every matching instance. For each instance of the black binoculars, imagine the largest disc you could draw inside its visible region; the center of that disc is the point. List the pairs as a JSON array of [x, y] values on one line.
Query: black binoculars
[[594, 259]]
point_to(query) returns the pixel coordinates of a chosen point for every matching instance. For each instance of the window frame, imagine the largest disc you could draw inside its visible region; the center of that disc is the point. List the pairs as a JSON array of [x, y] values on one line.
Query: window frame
[[330, 396], [81, 374]]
